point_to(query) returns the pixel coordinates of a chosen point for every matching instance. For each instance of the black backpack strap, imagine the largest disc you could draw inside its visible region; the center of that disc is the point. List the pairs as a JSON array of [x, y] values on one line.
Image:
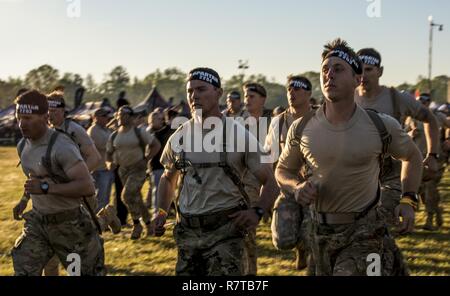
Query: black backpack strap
[[385, 137], [20, 148], [141, 141], [47, 160], [230, 172]]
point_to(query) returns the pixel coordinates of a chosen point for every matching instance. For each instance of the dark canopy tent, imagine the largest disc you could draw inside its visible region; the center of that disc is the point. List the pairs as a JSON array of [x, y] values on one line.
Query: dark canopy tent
[[153, 100], [9, 130]]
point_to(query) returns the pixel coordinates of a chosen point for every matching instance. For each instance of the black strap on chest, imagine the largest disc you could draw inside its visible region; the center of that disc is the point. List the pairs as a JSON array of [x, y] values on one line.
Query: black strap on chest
[[182, 164]]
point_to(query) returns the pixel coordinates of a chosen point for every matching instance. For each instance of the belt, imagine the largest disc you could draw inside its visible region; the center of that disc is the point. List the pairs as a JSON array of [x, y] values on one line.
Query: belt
[[210, 221], [61, 217], [335, 218]]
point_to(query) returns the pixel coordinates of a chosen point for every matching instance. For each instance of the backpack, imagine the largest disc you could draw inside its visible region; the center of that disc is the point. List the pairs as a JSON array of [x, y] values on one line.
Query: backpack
[[138, 135]]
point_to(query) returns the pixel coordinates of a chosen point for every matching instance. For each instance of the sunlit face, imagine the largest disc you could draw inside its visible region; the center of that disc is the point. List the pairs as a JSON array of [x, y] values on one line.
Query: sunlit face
[[56, 116], [203, 96], [297, 96], [371, 76], [338, 80], [156, 120], [32, 126], [253, 101], [124, 118], [233, 104]]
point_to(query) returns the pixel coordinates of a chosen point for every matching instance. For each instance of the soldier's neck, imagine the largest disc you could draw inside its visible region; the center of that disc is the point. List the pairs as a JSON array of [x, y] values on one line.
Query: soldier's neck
[[339, 112], [299, 111], [370, 92], [257, 113]]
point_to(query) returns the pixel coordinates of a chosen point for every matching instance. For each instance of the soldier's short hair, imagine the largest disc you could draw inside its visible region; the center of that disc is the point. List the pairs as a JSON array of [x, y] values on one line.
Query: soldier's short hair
[[256, 87]]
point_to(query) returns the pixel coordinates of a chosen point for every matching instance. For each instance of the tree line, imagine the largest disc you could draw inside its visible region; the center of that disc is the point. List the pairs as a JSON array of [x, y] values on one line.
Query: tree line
[[170, 83]]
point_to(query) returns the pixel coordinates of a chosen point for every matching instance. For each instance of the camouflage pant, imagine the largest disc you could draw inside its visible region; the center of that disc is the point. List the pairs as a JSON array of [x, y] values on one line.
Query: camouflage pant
[[250, 256], [133, 179], [289, 223], [209, 253], [343, 250], [291, 227], [39, 241]]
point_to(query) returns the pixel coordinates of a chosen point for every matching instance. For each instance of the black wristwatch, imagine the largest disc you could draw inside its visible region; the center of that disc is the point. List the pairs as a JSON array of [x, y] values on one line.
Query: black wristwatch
[[44, 187], [435, 155], [411, 195], [259, 211]]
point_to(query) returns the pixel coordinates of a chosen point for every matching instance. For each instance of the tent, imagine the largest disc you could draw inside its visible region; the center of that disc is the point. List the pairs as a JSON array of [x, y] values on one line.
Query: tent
[[9, 130], [153, 100], [83, 113]]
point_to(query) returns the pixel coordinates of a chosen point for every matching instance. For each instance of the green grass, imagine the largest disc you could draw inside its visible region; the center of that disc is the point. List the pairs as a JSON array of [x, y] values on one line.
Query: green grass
[[427, 253]]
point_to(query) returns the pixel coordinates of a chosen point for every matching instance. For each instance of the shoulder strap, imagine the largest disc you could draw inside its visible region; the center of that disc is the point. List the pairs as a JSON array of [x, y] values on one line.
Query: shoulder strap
[[66, 124], [229, 171], [385, 137], [20, 148], [141, 141], [396, 105], [47, 160]]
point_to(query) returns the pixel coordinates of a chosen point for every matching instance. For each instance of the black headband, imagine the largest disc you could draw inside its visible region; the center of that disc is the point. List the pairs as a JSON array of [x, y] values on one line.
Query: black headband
[[206, 77], [259, 90], [346, 57], [56, 104], [299, 84], [370, 60]]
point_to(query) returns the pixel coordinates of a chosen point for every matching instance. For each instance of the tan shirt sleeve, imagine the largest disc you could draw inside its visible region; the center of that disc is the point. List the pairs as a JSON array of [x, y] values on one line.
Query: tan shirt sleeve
[[401, 143], [168, 156], [410, 107], [66, 153], [147, 136], [291, 158], [81, 135]]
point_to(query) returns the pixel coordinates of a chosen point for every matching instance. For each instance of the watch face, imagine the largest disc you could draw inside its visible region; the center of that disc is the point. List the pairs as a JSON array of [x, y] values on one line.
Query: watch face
[[44, 186]]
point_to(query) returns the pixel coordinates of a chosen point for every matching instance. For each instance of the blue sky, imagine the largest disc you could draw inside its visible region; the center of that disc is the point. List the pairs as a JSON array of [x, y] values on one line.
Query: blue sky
[[277, 37]]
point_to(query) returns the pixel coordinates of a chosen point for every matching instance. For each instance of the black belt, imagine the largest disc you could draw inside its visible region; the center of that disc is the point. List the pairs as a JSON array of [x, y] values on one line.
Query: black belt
[[210, 221], [61, 217]]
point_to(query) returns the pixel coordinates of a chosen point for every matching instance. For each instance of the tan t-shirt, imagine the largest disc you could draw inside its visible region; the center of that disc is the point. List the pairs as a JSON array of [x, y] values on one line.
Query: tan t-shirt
[[419, 139], [65, 155], [100, 137], [217, 192], [273, 136], [383, 103], [343, 159], [126, 149], [78, 133]]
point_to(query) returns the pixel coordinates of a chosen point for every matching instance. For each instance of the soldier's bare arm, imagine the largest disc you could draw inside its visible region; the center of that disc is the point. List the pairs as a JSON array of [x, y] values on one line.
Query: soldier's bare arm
[[164, 197], [431, 129], [81, 183], [154, 148], [269, 190], [91, 156]]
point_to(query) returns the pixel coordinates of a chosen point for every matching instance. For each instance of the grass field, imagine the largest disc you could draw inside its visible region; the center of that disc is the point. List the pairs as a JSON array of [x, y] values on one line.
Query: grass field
[[427, 253]]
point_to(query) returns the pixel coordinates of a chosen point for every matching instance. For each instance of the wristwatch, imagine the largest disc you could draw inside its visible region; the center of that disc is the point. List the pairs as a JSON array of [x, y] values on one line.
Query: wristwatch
[[435, 155], [412, 195], [259, 211], [44, 187]]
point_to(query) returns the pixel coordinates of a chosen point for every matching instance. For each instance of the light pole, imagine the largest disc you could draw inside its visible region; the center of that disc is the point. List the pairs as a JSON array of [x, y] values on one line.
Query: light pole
[[430, 52]]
